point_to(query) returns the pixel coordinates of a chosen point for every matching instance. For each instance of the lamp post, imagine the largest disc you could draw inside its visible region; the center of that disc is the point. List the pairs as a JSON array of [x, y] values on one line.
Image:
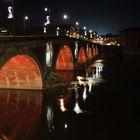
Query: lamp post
[[25, 19], [77, 29], [47, 18], [91, 35], [11, 15], [85, 32]]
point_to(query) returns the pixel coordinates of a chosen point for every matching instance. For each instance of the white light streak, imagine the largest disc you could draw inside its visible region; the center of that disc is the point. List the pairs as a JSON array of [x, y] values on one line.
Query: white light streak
[[10, 12]]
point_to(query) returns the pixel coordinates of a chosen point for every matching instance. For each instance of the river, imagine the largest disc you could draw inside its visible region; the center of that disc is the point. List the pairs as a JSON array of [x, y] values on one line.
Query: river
[[102, 102]]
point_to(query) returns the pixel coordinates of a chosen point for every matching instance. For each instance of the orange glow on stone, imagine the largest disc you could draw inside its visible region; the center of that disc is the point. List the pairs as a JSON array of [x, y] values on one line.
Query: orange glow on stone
[[20, 72], [65, 59], [66, 74], [82, 56], [94, 52], [90, 53]]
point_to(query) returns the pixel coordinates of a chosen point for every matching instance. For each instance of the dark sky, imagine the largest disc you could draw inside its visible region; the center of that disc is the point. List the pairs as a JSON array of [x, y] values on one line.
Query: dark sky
[[103, 16]]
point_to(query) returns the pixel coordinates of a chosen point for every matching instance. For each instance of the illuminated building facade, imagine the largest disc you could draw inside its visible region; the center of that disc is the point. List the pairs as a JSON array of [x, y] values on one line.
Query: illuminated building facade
[[69, 30], [110, 39]]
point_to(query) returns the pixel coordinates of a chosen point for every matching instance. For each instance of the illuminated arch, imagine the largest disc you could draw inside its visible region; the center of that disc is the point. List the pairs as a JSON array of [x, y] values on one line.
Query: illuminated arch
[[90, 53], [94, 52], [20, 72], [65, 59], [82, 56]]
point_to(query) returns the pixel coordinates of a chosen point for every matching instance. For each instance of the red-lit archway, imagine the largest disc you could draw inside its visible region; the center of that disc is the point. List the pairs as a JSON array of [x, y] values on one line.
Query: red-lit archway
[[82, 56], [65, 59], [95, 52], [20, 72], [90, 53]]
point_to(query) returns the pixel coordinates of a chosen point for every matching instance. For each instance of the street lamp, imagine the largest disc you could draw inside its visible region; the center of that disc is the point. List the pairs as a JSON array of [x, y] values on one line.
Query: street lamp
[[91, 35], [84, 27], [47, 18], [77, 23], [11, 15], [65, 17], [25, 19], [46, 9], [77, 29]]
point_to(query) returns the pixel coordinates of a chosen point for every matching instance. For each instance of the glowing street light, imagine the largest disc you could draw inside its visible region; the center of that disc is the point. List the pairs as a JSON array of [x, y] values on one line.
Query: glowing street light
[[46, 9], [25, 19], [77, 23], [84, 27], [65, 16], [85, 32]]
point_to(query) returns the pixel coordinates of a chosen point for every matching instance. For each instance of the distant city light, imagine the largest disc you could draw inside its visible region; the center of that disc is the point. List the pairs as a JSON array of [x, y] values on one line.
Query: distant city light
[[90, 31]]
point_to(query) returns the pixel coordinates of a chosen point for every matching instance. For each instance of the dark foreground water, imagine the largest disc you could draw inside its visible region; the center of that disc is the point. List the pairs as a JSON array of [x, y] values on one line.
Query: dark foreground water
[[101, 103]]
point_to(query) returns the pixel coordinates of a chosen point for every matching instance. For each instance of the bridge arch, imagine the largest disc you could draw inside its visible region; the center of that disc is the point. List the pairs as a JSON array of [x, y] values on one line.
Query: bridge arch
[[65, 59], [82, 56], [90, 53], [20, 72]]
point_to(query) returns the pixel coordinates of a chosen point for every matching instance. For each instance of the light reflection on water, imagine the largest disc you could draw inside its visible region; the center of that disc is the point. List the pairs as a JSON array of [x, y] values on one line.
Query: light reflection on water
[[19, 114], [82, 111], [21, 110]]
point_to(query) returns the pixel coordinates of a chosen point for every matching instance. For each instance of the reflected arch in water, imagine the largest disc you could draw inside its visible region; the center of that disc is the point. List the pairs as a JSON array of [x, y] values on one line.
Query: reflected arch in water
[[82, 55], [20, 72], [20, 114], [65, 59]]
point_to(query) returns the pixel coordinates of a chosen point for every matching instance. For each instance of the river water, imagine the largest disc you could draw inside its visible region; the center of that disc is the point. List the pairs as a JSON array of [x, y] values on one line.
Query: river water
[[102, 102]]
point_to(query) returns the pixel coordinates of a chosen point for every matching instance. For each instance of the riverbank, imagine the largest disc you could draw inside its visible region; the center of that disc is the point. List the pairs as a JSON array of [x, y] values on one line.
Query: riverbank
[[55, 81]]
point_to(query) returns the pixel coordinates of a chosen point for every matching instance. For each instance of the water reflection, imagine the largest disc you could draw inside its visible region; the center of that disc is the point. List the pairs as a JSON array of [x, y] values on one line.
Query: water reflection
[[50, 116], [21, 110], [19, 114], [81, 88], [93, 76], [62, 105], [86, 110]]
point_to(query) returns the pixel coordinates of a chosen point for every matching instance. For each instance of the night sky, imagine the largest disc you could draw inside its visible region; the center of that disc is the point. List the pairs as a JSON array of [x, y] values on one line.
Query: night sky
[[103, 16]]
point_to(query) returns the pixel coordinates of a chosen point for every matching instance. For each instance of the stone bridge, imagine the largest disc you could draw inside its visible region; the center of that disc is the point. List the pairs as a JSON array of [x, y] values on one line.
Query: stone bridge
[[26, 60]]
